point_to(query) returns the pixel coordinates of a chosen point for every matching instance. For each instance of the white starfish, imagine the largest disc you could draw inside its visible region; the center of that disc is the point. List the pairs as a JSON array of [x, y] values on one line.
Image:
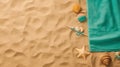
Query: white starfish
[[82, 52]]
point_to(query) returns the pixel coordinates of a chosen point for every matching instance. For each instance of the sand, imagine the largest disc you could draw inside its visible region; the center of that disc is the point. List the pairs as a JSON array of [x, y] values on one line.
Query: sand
[[34, 33]]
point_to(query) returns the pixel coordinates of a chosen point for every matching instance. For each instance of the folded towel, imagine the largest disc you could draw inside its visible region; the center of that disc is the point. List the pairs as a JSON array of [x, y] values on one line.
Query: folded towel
[[104, 25]]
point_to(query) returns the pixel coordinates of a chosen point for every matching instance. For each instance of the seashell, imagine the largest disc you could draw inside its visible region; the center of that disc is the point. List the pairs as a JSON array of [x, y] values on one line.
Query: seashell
[[82, 18], [106, 60], [77, 29], [117, 55], [81, 29], [76, 8]]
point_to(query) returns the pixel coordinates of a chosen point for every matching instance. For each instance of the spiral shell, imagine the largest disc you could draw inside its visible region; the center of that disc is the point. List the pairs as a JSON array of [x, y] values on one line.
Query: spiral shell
[[106, 60]]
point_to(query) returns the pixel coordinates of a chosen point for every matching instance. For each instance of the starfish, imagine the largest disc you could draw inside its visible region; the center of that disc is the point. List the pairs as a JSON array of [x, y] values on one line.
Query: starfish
[[82, 52]]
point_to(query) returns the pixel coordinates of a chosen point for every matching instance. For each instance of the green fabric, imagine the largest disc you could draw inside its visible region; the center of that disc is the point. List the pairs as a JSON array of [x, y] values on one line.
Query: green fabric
[[104, 25]]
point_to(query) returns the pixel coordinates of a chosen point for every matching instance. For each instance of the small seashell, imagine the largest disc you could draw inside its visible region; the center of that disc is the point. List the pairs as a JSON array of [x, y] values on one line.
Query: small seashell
[[117, 55], [106, 60], [76, 8], [77, 29], [82, 18], [81, 29]]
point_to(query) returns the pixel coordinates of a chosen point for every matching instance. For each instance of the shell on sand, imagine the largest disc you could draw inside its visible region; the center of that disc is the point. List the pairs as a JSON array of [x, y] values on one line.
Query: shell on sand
[[76, 8], [106, 60], [77, 28], [81, 29], [117, 55]]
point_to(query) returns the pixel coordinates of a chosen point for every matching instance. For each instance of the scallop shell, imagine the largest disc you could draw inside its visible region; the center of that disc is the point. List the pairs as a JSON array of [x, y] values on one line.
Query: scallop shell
[[106, 60]]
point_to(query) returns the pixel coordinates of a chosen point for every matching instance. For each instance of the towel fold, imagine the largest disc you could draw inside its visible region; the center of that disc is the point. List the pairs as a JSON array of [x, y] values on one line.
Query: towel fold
[[104, 25]]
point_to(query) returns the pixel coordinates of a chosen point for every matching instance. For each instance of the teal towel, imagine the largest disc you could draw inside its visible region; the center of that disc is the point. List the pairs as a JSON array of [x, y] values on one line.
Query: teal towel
[[104, 25]]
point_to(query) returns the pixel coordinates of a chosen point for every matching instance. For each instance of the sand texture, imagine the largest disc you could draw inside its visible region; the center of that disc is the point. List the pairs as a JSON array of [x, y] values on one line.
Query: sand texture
[[34, 33]]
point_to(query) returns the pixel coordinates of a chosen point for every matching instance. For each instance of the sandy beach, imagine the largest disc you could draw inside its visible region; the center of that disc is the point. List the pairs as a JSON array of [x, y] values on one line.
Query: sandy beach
[[34, 33]]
